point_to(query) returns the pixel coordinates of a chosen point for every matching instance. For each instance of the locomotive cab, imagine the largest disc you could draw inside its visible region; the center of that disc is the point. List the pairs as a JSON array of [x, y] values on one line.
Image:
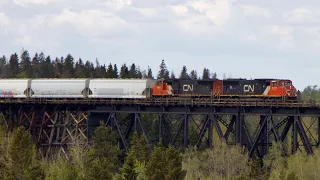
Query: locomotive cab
[[287, 88], [282, 88], [162, 88]]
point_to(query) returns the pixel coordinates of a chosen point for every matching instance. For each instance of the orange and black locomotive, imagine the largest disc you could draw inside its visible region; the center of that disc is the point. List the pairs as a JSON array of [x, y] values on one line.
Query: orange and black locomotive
[[229, 88]]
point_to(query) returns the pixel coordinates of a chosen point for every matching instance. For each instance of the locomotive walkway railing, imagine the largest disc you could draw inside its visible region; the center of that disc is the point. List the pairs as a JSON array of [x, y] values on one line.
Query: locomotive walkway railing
[[170, 102]]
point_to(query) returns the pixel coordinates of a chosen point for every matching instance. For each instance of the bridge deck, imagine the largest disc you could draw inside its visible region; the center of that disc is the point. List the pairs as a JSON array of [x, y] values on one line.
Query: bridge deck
[[201, 102]]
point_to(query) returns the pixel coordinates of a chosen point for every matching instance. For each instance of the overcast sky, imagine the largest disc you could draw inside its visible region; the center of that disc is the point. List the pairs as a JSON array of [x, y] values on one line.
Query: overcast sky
[[241, 38]]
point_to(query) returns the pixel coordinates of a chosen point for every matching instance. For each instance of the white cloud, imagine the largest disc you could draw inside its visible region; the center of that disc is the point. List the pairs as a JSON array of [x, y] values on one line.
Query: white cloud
[[118, 4], [198, 24], [179, 10], [27, 2], [149, 12], [252, 37], [313, 37], [28, 41], [253, 10], [218, 11], [302, 15], [2, 2], [285, 35], [4, 20], [204, 16], [92, 22]]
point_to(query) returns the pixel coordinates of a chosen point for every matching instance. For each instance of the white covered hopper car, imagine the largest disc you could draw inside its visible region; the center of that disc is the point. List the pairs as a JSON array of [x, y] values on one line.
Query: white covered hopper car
[[76, 88]]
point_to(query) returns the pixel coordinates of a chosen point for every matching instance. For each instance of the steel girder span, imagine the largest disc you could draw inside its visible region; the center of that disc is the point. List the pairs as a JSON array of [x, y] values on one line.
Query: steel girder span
[[253, 128], [55, 127]]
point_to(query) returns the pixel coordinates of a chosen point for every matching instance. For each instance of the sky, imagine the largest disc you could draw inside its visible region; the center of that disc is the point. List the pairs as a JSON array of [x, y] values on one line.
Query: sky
[[238, 38]]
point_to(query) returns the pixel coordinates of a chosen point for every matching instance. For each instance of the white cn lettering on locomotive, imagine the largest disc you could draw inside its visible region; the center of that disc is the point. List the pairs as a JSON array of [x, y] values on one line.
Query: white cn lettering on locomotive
[[187, 87], [248, 88]]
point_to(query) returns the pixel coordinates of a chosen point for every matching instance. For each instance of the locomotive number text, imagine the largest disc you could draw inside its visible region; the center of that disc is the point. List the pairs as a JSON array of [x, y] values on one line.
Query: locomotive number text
[[248, 88], [187, 87]]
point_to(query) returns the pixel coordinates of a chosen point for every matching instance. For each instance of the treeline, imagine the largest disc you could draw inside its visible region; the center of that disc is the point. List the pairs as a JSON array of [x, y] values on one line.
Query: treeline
[[42, 66], [105, 160]]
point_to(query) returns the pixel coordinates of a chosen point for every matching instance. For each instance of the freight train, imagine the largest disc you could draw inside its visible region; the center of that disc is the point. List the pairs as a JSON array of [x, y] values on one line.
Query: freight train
[[145, 88]]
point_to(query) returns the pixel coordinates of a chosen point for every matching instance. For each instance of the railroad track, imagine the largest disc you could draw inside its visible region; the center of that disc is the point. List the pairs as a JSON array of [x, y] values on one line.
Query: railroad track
[[167, 102]]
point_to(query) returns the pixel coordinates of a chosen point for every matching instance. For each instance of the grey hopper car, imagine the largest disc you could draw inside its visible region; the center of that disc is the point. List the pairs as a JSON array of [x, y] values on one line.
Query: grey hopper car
[[75, 88], [14, 88], [59, 88], [120, 88]]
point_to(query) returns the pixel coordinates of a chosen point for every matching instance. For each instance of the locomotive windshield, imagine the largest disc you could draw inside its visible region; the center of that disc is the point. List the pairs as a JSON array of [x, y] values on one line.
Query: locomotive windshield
[[286, 83]]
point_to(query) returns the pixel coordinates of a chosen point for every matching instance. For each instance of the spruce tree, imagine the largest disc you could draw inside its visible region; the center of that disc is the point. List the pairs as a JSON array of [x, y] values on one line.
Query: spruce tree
[[35, 63], [102, 160], [163, 72], [25, 65], [13, 65], [133, 71], [48, 68], [173, 76], [22, 156], [165, 163], [139, 73], [109, 73], [193, 74], [3, 64], [115, 73], [149, 75], [214, 75], [124, 72], [139, 153], [206, 74], [184, 73]]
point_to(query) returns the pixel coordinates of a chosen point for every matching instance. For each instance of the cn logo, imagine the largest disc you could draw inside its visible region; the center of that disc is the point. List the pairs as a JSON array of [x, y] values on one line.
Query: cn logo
[[187, 87], [248, 88]]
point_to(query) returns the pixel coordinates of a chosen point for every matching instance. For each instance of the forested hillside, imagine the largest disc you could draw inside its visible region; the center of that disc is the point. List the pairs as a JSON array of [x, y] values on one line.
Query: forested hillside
[[19, 158]]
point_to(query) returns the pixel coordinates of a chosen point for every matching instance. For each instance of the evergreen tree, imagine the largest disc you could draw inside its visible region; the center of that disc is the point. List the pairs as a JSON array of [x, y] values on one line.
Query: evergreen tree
[[206, 73], [173, 76], [48, 68], [163, 72], [35, 64], [102, 160], [22, 156], [80, 69], [139, 73], [68, 67], [58, 66], [110, 71], [124, 72], [100, 70], [184, 73], [214, 75], [89, 69], [133, 71], [149, 75], [115, 71], [139, 153], [193, 74], [62, 169], [13, 65], [3, 63], [41, 63], [165, 163], [25, 65]]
